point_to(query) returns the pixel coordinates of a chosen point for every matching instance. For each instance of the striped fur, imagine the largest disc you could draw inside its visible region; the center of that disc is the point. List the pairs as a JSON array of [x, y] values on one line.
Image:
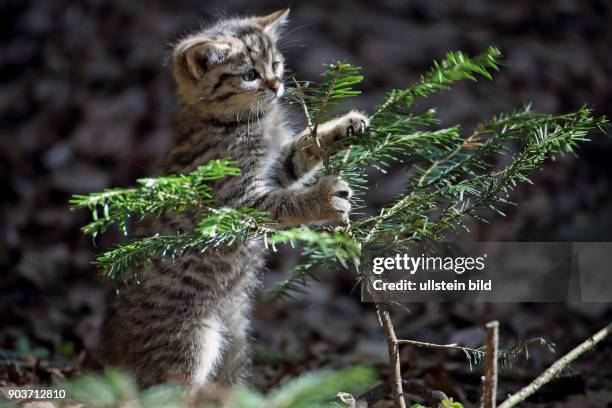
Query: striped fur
[[187, 321]]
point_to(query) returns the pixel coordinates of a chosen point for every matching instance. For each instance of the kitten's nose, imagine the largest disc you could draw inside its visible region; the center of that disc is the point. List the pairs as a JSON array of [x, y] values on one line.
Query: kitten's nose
[[273, 84]]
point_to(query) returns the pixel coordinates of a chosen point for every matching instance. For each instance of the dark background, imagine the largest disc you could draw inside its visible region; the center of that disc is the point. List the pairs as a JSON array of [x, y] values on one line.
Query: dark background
[[86, 102]]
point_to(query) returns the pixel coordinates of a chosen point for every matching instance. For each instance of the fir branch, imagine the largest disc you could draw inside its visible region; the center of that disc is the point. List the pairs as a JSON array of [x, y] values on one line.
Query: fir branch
[[225, 226], [392, 134], [466, 181], [542, 141], [319, 249], [489, 140], [326, 244], [380, 152], [454, 67], [338, 81], [173, 193], [222, 226], [139, 253]]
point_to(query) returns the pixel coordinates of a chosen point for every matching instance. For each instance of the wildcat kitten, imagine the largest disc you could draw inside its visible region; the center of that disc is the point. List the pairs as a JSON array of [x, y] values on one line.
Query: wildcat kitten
[[187, 320]]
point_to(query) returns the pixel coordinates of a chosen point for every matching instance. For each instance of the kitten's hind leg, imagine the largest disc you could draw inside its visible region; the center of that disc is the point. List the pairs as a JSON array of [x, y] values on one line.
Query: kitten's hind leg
[[209, 345], [236, 364]]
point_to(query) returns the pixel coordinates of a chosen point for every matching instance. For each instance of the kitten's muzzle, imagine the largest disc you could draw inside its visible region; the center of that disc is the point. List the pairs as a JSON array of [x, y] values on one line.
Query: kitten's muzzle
[[273, 84]]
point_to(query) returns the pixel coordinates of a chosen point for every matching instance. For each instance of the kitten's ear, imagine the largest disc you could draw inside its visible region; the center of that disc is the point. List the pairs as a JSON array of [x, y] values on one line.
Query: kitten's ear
[[195, 55], [273, 22]]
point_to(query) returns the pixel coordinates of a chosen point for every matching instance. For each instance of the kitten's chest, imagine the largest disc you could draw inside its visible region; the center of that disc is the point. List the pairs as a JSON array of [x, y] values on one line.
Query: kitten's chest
[[254, 151]]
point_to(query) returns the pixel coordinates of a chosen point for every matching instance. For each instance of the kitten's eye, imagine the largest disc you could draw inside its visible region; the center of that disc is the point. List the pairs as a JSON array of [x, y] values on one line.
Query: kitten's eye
[[250, 75], [275, 65]]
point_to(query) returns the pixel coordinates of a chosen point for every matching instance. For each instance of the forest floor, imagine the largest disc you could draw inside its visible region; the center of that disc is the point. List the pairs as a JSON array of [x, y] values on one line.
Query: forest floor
[[328, 328]]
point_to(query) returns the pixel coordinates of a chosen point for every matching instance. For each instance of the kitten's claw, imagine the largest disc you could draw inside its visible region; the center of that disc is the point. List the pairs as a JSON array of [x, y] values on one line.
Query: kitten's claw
[[340, 188], [352, 129], [363, 127], [342, 194]]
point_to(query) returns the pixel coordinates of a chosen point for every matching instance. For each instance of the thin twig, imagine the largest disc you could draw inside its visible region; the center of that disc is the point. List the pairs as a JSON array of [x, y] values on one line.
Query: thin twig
[[312, 131], [303, 104], [488, 398], [395, 379], [556, 368], [313, 128], [322, 107], [454, 346]]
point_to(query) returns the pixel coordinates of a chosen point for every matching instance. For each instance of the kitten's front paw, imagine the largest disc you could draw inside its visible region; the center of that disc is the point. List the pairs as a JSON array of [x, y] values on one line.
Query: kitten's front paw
[[334, 193], [354, 122], [337, 131]]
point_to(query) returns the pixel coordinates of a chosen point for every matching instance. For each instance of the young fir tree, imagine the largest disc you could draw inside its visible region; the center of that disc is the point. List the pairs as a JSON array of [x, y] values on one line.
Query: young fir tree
[[452, 175]]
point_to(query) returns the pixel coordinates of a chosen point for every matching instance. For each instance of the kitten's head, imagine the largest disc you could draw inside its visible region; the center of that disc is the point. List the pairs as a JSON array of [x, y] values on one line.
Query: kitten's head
[[232, 67]]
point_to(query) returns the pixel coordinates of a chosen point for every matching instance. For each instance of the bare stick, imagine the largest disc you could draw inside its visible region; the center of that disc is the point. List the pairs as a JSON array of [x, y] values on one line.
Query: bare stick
[[556, 368], [395, 379], [489, 392]]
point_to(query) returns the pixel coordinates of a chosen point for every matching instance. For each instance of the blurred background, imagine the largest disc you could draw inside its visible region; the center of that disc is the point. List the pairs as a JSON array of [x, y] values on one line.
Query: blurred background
[[86, 102]]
